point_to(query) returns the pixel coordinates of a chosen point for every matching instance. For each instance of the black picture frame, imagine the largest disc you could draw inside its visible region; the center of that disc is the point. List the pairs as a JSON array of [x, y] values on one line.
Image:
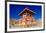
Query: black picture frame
[[24, 2]]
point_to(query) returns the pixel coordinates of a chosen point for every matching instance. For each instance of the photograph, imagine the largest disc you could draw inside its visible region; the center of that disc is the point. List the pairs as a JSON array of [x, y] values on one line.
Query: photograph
[[25, 16]]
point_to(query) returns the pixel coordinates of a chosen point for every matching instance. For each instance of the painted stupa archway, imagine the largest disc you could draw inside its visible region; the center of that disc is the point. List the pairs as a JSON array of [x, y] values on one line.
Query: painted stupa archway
[[27, 17]]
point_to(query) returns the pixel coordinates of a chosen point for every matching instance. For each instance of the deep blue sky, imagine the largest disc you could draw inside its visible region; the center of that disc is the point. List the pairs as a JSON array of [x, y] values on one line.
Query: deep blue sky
[[16, 9]]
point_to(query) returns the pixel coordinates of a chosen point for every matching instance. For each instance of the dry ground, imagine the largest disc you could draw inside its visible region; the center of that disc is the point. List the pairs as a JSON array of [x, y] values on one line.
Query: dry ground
[[16, 24]]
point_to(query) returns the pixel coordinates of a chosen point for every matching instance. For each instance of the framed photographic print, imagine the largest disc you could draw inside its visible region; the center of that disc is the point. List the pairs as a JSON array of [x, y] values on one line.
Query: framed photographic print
[[25, 16]]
